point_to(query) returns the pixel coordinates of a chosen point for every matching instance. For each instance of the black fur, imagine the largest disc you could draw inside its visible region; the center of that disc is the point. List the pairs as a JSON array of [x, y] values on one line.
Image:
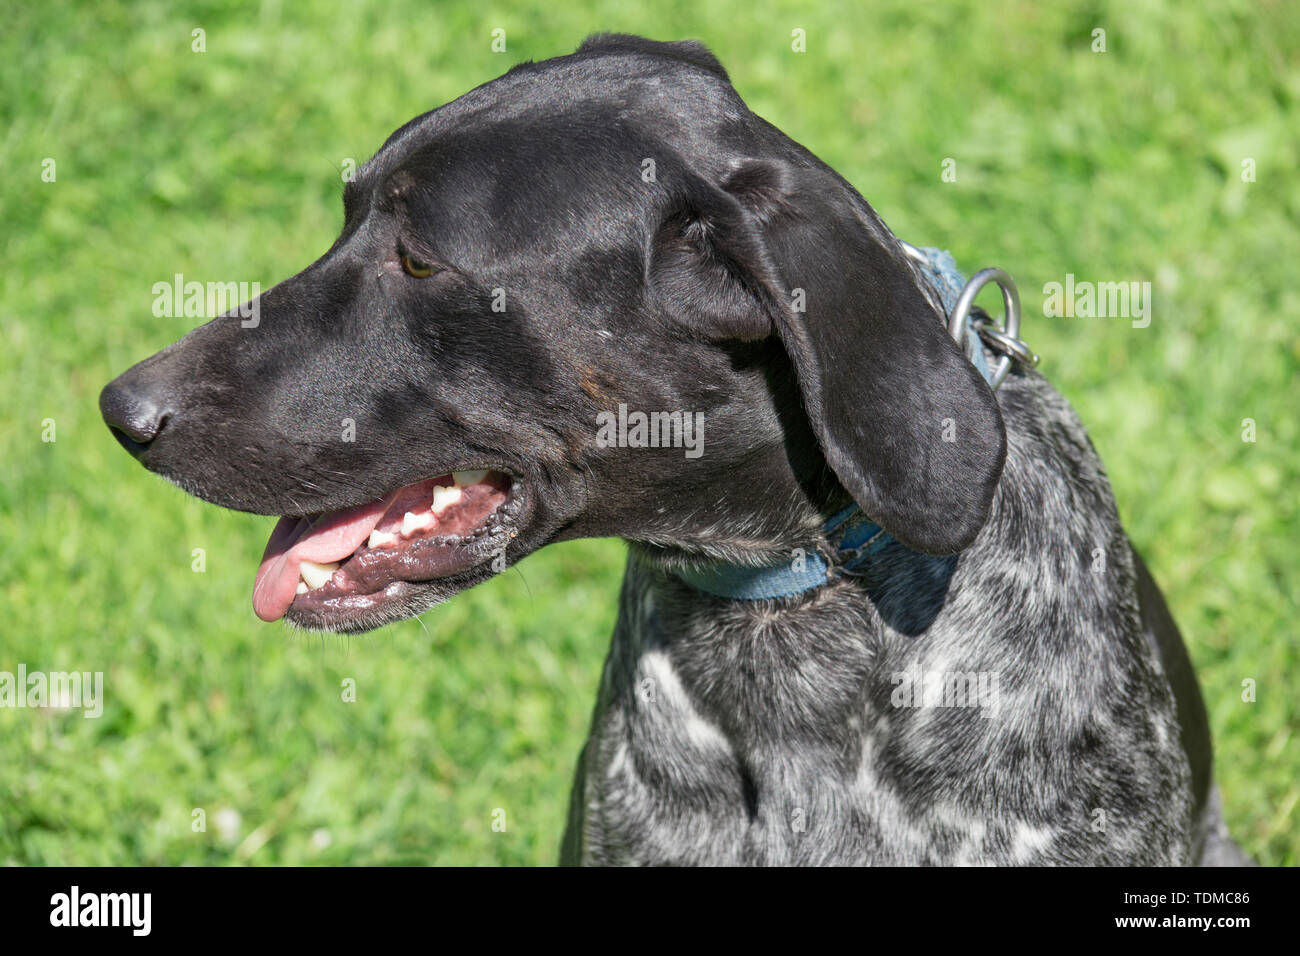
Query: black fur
[[744, 280]]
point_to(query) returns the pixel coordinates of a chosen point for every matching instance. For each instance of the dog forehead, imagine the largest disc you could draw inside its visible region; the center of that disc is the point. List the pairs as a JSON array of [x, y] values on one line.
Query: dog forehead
[[604, 100], [580, 149], [520, 180]]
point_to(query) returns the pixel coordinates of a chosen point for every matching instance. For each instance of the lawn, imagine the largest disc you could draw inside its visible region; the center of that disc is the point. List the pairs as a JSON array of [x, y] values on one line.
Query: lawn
[[1173, 157]]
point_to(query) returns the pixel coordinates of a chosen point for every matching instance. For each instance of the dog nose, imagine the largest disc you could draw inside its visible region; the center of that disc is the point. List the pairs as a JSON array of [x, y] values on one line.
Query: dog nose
[[134, 413]]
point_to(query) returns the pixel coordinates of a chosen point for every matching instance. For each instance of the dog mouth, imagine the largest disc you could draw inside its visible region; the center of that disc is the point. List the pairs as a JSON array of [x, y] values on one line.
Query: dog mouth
[[359, 559]]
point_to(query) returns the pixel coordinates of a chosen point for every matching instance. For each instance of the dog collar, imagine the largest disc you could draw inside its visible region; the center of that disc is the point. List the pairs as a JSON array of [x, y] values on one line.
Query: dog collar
[[854, 537]]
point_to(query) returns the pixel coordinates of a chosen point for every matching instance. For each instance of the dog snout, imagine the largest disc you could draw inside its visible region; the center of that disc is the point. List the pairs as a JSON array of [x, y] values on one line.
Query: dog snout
[[135, 410]]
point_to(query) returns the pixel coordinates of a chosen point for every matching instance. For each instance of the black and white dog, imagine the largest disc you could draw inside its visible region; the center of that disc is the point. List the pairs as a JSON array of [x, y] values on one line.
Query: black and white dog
[[992, 677]]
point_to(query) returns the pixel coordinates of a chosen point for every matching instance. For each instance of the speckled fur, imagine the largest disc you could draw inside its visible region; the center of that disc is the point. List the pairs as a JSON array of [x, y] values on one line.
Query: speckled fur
[[731, 732], [748, 283]]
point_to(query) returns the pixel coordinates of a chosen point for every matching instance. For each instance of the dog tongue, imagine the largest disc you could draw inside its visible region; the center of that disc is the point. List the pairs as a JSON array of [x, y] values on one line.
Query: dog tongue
[[332, 537]]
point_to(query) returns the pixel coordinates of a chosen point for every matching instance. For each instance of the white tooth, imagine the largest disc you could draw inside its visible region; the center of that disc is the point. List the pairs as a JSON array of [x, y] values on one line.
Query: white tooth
[[412, 522], [317, 574], [444, 498], [380, 539], [302, 587], [463, 478]]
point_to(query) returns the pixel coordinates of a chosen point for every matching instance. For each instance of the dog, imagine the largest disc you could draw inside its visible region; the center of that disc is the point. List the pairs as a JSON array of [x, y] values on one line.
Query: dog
[[611, 234]]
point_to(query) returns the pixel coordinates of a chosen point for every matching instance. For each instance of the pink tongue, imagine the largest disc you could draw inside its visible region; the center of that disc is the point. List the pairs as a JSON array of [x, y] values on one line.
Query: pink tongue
[[294, 540]]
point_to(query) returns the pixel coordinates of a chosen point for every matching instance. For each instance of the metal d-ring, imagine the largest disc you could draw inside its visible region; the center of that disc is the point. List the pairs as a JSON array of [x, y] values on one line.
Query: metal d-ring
[[914, 252], [999, 341], [1005, 340]]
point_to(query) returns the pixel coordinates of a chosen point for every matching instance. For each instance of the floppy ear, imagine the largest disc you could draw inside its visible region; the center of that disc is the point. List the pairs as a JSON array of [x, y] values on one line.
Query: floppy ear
[[908, 425]]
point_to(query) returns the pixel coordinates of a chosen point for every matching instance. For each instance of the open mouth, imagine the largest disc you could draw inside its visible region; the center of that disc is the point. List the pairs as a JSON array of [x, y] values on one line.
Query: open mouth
[[364, 557]]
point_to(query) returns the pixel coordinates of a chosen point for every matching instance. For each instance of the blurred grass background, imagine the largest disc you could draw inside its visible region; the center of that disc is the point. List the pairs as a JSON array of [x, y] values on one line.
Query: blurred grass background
[[224, 165]]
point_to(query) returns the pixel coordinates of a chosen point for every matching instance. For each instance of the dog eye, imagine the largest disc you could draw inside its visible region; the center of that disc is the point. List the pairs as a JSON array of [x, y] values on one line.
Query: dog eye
[[416, 268]]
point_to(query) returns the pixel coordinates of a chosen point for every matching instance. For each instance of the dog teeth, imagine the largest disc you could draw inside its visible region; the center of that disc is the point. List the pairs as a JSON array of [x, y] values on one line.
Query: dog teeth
[[463, 478], [302, 587], [412, 523], [315, 575], [444, 498], [381, 539]]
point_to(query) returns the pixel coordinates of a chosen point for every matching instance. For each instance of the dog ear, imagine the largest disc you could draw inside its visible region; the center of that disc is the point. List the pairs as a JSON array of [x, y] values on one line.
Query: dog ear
[[704, 262], [906, 422]]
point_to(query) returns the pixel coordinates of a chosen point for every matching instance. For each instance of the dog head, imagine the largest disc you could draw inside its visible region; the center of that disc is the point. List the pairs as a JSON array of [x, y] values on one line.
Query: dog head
[[596, 296]]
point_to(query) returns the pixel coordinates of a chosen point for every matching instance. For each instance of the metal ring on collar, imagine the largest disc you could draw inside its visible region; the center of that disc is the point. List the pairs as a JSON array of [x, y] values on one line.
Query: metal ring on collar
[[1011, 325], [999, 341], [914, 252]]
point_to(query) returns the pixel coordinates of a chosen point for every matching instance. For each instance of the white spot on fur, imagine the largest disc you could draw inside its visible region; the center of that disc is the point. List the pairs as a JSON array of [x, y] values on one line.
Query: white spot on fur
[[656, 666], [618, 763], [1162, 736], [1028, 841], [972, 829]]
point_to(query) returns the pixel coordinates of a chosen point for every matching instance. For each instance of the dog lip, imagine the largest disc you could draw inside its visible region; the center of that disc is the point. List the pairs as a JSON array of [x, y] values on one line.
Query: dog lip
[[399, 599], [312, 612], [331, 550]]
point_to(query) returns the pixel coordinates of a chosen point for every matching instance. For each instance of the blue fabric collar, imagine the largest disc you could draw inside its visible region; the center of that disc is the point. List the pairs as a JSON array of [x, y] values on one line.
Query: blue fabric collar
[[854, 537]]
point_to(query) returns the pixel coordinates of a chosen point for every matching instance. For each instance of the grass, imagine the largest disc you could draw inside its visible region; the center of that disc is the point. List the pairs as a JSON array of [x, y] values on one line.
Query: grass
[[225, 164]]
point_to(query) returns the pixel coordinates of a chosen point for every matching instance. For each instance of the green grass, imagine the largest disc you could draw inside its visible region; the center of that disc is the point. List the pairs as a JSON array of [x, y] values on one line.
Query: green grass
[[1111, 166]]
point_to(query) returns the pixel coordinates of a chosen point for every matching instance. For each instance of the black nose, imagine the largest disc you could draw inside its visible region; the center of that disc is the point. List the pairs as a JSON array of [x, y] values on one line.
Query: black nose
[[134, 413]]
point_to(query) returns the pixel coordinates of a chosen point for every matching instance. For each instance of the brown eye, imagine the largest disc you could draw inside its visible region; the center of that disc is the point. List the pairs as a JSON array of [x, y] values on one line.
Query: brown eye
[[416, 268]]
